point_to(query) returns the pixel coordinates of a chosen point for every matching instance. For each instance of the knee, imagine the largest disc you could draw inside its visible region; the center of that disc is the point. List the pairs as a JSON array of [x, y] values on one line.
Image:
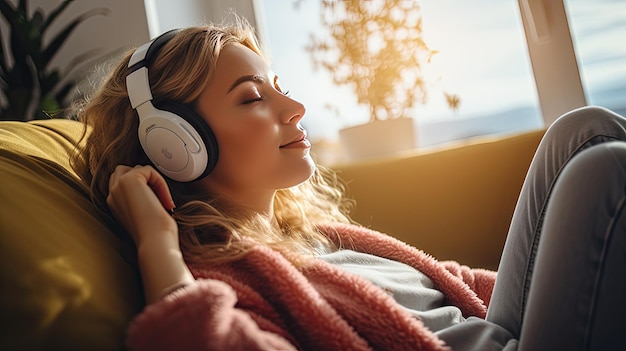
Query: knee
[[599, 165], [588, 117], [591, 123], [590, 192]]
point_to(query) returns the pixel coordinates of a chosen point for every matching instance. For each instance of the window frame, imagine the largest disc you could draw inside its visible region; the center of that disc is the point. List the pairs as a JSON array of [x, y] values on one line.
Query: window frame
[[552, 56]]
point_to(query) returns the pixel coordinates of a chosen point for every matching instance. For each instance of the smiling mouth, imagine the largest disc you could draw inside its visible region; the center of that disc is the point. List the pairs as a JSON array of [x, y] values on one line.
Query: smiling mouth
[[302, 141]]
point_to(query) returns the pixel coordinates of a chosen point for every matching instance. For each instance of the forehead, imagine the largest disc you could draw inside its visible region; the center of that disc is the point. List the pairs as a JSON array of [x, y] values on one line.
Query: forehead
[[236, 60]]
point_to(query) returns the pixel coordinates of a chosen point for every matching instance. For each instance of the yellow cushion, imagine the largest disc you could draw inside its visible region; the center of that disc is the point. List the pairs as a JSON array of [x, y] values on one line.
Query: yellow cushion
[[66, 284]]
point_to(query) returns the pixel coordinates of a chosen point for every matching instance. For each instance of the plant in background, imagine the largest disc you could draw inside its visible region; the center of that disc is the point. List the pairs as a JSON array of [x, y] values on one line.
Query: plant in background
[[377, 47], [30, 88]]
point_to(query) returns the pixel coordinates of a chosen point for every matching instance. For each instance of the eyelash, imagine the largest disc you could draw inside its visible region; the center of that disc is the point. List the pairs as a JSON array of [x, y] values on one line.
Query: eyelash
[[286, 93], [247, 102]]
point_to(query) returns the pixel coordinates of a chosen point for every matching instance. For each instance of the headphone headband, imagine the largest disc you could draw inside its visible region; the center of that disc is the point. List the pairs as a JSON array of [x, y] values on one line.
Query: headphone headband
[[145, 54], [137, 81]]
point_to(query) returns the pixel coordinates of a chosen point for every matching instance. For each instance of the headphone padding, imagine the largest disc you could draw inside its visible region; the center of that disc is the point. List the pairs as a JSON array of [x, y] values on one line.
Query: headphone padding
[[189, 114]]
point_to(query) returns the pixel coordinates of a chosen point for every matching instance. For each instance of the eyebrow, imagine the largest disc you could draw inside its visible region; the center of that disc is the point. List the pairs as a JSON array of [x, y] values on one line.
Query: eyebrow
[[250, 78]]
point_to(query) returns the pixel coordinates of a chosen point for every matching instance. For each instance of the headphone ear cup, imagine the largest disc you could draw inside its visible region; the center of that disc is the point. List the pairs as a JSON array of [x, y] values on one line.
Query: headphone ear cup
[[175, 146], [197, 123]]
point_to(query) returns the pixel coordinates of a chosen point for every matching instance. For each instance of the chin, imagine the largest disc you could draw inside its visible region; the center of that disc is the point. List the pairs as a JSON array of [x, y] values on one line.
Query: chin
[[304, 170]]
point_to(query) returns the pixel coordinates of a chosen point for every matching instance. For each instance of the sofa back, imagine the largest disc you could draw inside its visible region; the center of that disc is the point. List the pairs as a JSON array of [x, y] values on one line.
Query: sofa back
[[454, 202]]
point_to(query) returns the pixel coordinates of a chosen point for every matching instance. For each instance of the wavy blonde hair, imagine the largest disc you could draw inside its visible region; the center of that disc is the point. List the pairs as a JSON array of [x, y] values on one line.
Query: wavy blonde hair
[[210, 230]]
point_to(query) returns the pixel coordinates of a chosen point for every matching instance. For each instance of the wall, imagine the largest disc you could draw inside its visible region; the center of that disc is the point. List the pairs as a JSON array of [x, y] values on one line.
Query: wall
[[127, 25], [192, 12], [132, 23]]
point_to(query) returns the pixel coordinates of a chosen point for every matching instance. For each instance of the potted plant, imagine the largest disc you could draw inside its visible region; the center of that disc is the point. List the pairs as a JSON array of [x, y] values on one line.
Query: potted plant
[[377, 48], [30, 88]]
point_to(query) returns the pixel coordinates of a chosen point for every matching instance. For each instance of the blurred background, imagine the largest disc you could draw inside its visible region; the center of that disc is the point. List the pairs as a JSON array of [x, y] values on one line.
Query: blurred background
[[483, 58], [509, 62]]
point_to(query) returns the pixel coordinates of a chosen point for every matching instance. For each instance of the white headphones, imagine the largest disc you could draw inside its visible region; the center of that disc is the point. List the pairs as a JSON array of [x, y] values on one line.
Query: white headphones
[[173, 135]]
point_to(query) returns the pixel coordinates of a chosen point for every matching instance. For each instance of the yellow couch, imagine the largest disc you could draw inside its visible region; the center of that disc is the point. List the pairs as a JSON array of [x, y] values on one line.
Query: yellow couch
[[66, 284], [454, 202], [69, 282]]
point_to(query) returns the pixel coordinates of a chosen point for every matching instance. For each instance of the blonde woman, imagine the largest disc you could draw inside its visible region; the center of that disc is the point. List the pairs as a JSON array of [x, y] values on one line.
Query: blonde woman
[[243, 243]]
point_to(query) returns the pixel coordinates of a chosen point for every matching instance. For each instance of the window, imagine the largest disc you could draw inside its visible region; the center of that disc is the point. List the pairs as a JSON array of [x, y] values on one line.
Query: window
[[598, 29], [482, 58]]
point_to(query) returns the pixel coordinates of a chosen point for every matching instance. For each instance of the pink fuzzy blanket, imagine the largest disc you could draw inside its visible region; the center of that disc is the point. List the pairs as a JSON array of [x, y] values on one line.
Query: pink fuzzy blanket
[[263, 302]]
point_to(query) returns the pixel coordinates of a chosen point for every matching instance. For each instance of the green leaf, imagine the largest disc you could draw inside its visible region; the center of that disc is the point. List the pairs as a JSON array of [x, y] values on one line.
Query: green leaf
[[54, 14], [49, 106], [23, 6], [55, 44], [37, 20], [6, 9], [48, 81], [24, 77], [3, 64]]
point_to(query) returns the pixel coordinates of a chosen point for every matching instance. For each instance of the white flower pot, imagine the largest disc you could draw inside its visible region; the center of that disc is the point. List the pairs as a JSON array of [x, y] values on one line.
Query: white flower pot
[[378, 138]]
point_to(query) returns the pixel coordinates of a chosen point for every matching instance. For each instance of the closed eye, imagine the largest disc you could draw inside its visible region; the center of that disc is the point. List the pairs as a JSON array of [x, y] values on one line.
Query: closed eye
[[251, 101], [252, 96]]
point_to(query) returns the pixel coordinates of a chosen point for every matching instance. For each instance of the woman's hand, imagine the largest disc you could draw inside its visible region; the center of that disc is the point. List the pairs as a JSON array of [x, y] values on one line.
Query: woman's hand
[[140, 200]]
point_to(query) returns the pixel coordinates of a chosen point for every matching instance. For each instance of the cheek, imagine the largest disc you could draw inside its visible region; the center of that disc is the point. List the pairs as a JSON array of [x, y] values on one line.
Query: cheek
[[247, 145]]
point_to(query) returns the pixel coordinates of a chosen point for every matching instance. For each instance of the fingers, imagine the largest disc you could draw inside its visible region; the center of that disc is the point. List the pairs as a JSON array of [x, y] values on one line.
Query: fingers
[[115, 176], [140, 199], [159, 186], [147, 175]]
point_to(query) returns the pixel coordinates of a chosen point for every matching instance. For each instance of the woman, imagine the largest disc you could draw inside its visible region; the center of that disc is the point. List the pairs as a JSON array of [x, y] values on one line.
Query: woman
[[246, 244]]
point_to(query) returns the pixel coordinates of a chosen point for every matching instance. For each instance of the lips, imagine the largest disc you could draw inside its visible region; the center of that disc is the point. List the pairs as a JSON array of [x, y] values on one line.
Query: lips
[[299, 140]]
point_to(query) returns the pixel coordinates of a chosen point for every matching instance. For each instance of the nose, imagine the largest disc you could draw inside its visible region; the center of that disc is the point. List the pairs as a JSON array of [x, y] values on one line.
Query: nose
[[293, 111]]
